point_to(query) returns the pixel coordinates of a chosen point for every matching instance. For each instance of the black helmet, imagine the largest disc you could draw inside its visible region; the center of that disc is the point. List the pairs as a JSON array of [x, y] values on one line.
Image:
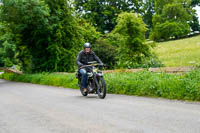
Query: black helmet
[[87, 45]]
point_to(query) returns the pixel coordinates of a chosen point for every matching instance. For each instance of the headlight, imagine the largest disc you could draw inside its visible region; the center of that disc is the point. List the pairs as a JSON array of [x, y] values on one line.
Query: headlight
[[89, 74], [95, 70]]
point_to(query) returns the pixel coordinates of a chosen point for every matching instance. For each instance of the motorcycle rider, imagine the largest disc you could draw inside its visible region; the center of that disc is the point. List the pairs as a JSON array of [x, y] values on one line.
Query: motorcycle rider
[[83, 58]]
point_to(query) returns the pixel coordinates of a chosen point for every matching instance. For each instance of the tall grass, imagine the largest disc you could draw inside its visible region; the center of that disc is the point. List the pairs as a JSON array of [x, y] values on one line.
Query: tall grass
[[183, 87], [63, 80], [184, 52]]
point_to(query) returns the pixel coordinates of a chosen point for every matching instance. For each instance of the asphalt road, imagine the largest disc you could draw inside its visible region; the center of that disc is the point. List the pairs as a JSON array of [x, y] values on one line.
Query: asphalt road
[[29, 108]]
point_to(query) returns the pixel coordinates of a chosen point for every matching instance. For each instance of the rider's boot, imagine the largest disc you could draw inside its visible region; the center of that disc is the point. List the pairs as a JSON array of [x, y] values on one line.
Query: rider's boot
[[85, 90]]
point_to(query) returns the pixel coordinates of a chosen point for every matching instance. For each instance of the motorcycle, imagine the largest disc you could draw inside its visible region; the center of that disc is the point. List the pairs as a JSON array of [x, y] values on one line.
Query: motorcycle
[[95, 80]]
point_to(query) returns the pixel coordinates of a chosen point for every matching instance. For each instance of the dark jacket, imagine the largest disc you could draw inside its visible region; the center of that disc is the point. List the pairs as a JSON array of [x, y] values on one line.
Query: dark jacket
[[83, 58]]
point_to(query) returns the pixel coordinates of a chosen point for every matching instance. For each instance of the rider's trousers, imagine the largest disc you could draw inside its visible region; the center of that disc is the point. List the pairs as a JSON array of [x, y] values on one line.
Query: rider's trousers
[[84, 78]]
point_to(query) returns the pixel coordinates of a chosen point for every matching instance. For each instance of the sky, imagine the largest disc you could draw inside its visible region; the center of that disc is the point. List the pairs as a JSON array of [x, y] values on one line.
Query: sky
[[198, 11]]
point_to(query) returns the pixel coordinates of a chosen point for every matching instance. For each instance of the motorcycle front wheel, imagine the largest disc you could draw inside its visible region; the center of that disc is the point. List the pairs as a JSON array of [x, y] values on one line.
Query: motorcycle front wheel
[[101, 88]]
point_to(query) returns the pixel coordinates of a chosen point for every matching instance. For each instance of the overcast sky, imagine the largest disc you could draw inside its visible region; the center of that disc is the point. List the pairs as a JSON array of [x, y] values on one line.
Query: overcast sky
[[198, 11]]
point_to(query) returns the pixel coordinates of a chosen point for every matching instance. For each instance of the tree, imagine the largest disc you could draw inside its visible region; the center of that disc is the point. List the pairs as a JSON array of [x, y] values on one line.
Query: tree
[[28, 20], [169, 29], [160, 4], [106, 47], [195, 3], [149, 11], [195, 26], [133, 48], [103, 13], [64, 40], [48, 34], [172, 20], [7, 47], [87, 31]]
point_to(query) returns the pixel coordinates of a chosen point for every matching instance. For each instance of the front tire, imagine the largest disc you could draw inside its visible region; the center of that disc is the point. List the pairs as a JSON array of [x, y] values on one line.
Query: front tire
[[101, 88]]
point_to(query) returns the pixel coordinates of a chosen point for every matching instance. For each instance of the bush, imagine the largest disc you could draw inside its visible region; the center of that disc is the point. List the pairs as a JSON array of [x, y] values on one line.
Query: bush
[[132, 49], [145, 62], [171, 20], [106, 48], [168, 30]]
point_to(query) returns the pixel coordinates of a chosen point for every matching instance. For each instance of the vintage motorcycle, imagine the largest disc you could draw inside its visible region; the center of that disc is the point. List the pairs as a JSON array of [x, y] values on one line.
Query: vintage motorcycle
[[95, 80]]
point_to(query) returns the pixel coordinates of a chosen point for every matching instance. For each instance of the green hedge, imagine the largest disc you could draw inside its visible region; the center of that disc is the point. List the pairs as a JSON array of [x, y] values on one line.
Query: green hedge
[[183, 87]]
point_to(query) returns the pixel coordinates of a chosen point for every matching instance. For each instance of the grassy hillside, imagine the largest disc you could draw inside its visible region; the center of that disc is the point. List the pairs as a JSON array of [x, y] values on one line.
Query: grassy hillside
[[184, 52]]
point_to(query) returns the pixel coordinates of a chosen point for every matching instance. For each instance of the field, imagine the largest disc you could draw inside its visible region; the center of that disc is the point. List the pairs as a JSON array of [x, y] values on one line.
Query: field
[[184, 52]]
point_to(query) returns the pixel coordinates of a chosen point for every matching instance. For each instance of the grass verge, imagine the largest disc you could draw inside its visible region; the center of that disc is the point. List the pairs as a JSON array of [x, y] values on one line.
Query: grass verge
[[182, 87]]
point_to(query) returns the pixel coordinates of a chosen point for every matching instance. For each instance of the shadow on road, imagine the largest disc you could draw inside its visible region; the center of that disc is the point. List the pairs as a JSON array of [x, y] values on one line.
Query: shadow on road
[[88, 97]]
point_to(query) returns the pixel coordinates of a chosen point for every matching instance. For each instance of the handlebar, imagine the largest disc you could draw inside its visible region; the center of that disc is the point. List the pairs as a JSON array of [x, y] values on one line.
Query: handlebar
[[84, 66]]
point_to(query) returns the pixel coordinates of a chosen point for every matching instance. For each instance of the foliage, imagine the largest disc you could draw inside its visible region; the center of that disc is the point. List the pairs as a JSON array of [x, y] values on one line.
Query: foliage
[[7, 47], [149, 10], [88, 31], [195, 3], [171, 19], [160, 4], [175, 12], [195, 26], [64, 39], [103, 13], [133, 48], [27, 19], [48, 34], [169, 30], [183, 87], [106, 48]]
